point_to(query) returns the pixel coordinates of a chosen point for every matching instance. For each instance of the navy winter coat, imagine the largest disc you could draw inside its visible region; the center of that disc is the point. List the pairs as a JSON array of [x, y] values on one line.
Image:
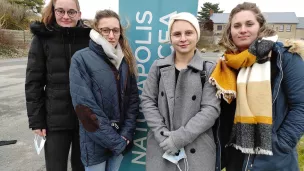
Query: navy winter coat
[[102, 95], [288, 116]]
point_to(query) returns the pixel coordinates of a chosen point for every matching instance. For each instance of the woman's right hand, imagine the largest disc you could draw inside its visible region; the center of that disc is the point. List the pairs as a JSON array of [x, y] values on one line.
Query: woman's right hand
[[40, 132]]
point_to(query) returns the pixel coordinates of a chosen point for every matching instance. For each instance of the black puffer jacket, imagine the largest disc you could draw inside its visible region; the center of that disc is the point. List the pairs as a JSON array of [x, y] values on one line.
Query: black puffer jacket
[[47, 90]]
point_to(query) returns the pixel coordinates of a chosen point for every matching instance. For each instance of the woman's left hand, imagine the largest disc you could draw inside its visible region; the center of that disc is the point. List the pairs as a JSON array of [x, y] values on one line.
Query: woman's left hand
[[168, 145], [261, 49]]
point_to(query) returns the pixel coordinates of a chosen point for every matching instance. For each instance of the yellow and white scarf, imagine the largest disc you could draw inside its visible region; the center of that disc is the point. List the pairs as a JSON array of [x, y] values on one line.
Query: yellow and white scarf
[[239, 76]]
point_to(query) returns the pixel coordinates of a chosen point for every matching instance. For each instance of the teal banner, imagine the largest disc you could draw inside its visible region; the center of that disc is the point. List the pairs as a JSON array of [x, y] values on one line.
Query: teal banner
[[147, 24]]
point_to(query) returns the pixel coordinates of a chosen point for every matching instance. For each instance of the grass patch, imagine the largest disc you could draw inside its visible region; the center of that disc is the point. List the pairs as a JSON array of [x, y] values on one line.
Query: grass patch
[[301, 153], [12, 52]]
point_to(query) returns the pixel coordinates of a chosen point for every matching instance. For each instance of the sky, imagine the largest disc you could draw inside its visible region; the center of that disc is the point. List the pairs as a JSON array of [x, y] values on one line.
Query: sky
[[89, 7]]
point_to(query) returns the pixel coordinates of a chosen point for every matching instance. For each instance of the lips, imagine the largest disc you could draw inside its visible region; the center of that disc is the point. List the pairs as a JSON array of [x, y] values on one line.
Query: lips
[[243, 37], [183, 46], [66, 22]]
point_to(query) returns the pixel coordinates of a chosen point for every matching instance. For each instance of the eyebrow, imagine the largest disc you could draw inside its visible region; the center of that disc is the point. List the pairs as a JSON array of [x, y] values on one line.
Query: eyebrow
[[181, 31], [245, 21], [67, 10]]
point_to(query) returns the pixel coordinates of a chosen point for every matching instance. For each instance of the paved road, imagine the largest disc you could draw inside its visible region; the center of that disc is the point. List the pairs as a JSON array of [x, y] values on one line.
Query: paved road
[[13, 119]]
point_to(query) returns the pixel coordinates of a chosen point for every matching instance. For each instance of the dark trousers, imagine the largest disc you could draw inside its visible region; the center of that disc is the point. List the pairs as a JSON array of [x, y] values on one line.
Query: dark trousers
[[57, 147], [234, 159]]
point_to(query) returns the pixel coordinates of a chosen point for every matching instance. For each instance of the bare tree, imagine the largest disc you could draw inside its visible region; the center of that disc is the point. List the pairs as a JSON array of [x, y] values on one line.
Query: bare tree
[[14, 16], [2, 21]]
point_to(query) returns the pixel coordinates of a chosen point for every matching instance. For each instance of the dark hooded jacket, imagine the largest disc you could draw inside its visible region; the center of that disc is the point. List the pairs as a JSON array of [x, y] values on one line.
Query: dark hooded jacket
[[47, 89]]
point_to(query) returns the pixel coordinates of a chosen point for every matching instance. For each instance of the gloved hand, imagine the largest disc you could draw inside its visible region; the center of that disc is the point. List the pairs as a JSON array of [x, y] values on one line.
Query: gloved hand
[[168, 145], [261, 48]]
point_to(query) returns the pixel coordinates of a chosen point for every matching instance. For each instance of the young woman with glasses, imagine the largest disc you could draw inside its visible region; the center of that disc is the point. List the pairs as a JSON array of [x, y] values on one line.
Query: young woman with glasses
[[105, 94], [49, 105]]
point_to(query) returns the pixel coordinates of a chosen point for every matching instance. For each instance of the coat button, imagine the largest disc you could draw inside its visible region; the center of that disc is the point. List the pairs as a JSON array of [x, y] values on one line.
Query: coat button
[[192, 150], [162, 133], [193, 97], [162, 93]]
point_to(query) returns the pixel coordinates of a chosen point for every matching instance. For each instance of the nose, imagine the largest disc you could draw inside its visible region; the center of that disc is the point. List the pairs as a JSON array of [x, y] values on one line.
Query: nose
[[243, 29], [66, 16], [183, 38], [111, 34]]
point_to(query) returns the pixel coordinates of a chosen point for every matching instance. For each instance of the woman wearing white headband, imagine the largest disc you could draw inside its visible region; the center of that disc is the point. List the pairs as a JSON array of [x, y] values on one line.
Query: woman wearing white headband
[[179, 105]]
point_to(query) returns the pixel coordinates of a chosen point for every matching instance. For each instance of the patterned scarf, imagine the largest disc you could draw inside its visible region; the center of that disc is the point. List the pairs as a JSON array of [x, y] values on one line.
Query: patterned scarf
[[239, 76]]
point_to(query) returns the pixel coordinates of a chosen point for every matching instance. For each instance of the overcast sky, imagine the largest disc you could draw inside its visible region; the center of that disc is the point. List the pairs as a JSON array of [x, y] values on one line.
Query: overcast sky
[[89, 7]]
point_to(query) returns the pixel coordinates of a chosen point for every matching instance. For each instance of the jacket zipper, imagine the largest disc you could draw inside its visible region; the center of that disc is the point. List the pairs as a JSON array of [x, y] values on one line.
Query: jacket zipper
[[117, 79], [247, 162], [281, 77], [70, 54], [218, 143]]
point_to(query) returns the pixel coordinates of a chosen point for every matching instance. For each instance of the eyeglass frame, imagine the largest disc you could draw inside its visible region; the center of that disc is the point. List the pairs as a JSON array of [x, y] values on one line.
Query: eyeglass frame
[[66, 12], [107, 34]]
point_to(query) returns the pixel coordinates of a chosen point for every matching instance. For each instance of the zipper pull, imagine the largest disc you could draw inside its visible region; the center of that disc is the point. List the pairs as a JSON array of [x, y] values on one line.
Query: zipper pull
[[115, 125], [117, 77]]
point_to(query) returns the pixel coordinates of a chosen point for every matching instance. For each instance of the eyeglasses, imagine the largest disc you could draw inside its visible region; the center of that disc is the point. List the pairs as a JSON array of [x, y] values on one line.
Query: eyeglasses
[[106, 31], [61, 12]]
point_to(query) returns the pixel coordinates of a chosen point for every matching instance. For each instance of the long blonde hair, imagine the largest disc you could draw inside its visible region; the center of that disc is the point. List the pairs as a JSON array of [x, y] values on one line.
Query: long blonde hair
[[226, 40], [48, 13], [126, 49]]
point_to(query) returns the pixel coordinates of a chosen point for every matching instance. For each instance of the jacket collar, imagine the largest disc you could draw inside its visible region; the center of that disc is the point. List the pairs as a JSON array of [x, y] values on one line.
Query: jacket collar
[[195, 63], [96, 48], [115, 55], [40, 29]]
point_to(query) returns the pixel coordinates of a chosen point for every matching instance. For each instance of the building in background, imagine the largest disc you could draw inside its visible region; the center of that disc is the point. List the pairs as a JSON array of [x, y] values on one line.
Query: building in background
[[287, 24]]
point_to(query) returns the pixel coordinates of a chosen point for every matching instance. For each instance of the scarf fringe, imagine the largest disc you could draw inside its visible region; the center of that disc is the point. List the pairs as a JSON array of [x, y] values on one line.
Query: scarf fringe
[[256, 150], [222, 92]]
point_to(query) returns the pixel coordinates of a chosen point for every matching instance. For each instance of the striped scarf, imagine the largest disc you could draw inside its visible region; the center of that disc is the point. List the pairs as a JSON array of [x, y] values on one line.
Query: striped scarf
[[239, 76]]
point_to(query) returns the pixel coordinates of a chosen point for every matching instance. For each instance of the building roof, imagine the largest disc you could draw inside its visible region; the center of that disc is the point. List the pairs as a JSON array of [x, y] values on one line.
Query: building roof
[[300, 25], [271, 17], [220, 18]]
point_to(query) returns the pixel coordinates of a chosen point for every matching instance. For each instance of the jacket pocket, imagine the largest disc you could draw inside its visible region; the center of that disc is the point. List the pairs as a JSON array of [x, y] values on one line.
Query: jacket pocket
[[279, 146], [280, 160], [210, 140], [87, 150]]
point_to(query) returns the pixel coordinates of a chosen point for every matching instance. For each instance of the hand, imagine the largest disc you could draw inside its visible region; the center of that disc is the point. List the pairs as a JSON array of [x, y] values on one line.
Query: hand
[[168, 145], [126, 140], [261, 48], [40, 132]]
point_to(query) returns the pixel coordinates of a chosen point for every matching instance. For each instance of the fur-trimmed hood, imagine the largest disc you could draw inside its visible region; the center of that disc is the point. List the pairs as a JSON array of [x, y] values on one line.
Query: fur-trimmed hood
[[295, 46], [40, 29]]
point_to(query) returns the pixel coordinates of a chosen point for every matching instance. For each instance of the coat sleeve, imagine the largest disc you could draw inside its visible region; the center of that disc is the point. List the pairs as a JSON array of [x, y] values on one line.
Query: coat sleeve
[[292, 128], [92, 117], [203, 120], [35, 82], [132, 112], [149, 104]]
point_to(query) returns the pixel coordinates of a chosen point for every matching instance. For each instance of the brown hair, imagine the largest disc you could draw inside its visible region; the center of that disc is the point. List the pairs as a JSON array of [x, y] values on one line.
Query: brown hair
[[48, 14], [125, 47], [226, 40]]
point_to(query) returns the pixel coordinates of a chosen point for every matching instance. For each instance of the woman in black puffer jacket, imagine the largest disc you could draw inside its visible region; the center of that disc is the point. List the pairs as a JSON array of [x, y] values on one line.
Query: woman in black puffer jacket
[[49, 107]]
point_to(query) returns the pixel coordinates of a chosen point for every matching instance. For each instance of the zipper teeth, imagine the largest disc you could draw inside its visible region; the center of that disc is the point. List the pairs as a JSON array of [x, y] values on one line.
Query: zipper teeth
[[247, 162], [281, 77], [219, 144]]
